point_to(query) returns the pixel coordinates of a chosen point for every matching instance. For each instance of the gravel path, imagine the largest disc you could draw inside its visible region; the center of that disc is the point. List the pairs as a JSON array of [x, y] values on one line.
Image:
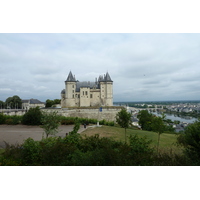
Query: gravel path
[[14, 134]]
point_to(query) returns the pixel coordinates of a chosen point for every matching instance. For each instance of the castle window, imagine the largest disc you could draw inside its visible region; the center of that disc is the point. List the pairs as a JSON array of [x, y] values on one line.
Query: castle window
[[73, 95], [90, 95], [72, 86], [86, 93]]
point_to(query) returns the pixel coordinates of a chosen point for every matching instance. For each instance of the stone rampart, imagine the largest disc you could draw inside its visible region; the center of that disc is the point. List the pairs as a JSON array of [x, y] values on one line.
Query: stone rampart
[[108, 114]]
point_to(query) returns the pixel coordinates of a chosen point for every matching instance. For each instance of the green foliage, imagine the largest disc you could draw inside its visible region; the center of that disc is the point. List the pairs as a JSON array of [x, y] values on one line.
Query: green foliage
[[123, 118], [2, 104], [50, 103], [50, 122], [140, 149], [2, 118], [190, 139], [14, 102], [77, 150], [145, 120], [30, 152], [10, 120], [32, 117], [76, 127]]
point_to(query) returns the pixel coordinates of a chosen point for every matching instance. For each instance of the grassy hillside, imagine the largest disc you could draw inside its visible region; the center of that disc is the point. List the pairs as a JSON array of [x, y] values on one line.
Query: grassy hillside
[[167, 141]]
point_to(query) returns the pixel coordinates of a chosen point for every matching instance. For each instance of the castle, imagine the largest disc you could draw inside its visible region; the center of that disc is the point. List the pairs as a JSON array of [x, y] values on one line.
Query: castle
[[87, 94]]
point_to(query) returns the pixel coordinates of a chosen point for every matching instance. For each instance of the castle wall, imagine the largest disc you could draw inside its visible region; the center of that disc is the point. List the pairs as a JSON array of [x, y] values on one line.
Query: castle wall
[[108, 114], [95, 99], [84, 97]]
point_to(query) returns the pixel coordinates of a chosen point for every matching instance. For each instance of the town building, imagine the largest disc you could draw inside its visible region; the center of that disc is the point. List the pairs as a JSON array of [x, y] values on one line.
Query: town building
[[32, 103], [86, 93]]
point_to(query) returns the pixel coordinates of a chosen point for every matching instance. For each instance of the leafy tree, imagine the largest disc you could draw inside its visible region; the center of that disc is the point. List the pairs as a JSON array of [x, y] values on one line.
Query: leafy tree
[[123, 118], [14, 102], [56, 101], [49, 103], [145, 120], [32, 117], [158, 125], [50, 122], [190, 139], [2, 104]]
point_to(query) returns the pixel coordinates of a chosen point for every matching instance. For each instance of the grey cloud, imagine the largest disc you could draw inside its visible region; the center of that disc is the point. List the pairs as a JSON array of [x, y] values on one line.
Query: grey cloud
[[142, 66]]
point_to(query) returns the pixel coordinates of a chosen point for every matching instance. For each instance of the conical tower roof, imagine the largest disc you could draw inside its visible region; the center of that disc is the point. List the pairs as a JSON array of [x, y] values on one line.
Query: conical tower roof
[[107, 78], [70, 78]]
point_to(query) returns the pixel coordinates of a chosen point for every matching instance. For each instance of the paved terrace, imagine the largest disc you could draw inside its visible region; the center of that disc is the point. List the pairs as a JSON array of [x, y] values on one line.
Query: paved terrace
[[16, 134]]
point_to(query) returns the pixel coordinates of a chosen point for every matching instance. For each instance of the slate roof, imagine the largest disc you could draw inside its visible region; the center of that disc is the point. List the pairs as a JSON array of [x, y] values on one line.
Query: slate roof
[[71, 78], [88, 84], [106, 78], [33, 101], [91, 85], [25, 101]]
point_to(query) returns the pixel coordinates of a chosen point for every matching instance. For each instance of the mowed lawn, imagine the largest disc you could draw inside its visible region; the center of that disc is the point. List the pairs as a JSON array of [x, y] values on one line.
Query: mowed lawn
[[167, 141]]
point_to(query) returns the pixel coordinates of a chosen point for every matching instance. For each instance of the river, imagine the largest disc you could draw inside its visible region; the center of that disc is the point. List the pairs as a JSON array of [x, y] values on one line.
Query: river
[[173, 117]]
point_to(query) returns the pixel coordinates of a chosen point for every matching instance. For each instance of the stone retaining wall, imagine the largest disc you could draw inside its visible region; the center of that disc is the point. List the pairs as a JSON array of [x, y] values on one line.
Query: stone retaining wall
[[108, 114]]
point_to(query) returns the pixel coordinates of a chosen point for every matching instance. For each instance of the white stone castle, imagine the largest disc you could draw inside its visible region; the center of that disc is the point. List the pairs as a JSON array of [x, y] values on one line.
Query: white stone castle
[[87, 94]]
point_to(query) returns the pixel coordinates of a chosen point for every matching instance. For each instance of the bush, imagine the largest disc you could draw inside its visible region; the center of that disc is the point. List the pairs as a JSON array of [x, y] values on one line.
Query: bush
[[9, 121], [32, 117], [50, 123], [2, 118], [190, 140]]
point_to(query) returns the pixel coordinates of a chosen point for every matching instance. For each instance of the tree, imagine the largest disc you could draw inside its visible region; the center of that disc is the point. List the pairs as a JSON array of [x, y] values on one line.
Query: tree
[[123, 118], [50, 103], [2, 104], [190, 139], [158, 125], [14, 102], [145, 120], [50, 122], [32, 117]]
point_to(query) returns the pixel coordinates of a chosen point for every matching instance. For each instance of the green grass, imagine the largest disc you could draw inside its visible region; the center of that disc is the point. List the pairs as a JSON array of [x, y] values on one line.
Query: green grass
[[167, 141]]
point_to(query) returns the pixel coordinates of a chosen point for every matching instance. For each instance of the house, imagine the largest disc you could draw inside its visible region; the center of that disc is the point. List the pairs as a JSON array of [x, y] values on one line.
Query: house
[[32, 103], [86, 93]]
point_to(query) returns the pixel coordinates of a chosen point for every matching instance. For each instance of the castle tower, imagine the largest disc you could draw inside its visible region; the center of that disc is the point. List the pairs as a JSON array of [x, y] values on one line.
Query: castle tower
[[106, 88], [70, 90]]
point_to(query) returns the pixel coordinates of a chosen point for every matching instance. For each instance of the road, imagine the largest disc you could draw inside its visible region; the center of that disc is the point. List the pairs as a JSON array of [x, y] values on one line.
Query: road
[[16, 134]]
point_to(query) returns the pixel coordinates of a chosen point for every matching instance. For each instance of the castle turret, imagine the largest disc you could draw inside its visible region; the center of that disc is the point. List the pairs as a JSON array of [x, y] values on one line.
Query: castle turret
[[106, 86], [70, 90]]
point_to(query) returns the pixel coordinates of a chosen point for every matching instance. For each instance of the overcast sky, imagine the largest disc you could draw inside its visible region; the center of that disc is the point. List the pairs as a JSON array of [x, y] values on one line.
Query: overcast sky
[[143, 67]]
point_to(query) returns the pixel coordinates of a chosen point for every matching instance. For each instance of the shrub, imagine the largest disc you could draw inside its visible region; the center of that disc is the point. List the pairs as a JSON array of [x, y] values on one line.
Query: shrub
[[32, 117], [190, 140], [2, 118], [50, 123], [30, 152], [9, 121]]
